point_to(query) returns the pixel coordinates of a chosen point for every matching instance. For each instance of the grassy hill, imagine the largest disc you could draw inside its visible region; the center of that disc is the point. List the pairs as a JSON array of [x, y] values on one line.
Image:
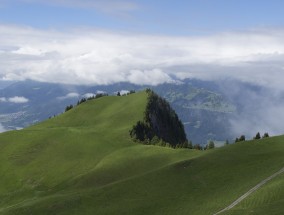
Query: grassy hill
[[84, 162]]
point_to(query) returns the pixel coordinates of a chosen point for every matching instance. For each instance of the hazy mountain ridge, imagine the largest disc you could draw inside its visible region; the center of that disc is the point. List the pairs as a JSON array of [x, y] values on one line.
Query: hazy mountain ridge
[[217, 110], [199, 98]]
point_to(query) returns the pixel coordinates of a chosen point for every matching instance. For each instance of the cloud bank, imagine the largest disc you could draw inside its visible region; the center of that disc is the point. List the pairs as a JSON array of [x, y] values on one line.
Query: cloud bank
[[94, 57], [87, 56], [260, 110]]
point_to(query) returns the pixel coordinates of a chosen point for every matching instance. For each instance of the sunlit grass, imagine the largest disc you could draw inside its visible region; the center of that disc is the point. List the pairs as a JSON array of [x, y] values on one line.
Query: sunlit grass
[[84, 162]]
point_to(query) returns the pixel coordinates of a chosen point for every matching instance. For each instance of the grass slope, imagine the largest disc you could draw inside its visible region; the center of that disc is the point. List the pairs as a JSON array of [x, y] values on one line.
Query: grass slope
[[83, 162]]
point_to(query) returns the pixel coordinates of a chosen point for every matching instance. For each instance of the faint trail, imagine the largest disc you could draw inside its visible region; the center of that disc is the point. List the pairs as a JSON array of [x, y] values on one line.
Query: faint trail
[[251, 191]]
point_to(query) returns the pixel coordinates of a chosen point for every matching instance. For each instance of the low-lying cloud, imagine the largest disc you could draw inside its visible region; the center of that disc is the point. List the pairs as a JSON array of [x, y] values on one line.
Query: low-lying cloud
[[68, 96], [96, 57], [18, 99], [259, 108], [15, 99]]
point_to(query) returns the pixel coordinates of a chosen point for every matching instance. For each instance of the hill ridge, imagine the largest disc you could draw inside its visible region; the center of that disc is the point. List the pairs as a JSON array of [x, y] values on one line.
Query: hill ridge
[[47, 162]]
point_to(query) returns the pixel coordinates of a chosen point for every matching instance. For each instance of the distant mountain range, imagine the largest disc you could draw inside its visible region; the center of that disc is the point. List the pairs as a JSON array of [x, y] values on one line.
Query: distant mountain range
[[210, 110]]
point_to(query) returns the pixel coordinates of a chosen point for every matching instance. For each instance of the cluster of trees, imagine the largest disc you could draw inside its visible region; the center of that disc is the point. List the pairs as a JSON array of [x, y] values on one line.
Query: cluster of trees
[[68, 107], [240, 139], [186, 145], [160, 120], [159, 142], [162, 127], [256, 137], [210, 145], [142, 132]]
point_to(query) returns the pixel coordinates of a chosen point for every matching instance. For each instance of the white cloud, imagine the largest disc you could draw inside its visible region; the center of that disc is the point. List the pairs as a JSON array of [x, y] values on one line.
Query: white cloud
[[68, 96], [85, 56], [153, 77], [18, 99], [88, 95], [123, 92], [27, 51], [266, 117], [101, 92]]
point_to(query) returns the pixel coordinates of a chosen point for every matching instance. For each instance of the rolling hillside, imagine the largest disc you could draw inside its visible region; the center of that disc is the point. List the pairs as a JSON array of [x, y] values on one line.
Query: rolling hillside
[[84, 162], [206, 110]]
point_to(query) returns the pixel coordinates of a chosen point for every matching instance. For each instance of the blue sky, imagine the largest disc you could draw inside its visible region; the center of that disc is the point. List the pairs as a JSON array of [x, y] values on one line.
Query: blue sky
[[169, 17]]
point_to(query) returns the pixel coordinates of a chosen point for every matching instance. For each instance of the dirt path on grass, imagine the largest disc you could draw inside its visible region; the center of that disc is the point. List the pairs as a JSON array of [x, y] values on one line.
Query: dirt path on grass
[[251, 191]]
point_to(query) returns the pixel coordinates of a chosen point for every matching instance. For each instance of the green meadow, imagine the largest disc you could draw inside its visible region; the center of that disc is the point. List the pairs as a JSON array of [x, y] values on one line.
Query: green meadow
[[84, 162]]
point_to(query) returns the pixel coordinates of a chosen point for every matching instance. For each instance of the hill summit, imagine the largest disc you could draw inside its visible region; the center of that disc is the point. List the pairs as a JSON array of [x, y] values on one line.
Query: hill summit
[[86, 148]]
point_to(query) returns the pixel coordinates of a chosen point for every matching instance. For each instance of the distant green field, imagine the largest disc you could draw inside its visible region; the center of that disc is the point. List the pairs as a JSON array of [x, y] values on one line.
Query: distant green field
[[84, 162]]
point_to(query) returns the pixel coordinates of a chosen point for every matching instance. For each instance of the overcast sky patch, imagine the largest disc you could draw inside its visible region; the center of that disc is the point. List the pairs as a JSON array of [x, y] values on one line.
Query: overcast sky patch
[[93, 57]]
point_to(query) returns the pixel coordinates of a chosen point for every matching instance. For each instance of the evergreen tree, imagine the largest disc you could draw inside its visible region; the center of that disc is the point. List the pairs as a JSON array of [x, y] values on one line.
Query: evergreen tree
[[155, 140], [197, 147], [168, 145], [265, 135], [242, 138], [257, 136], [211, 145], [185, 144], [82, 100], [69, 107]]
